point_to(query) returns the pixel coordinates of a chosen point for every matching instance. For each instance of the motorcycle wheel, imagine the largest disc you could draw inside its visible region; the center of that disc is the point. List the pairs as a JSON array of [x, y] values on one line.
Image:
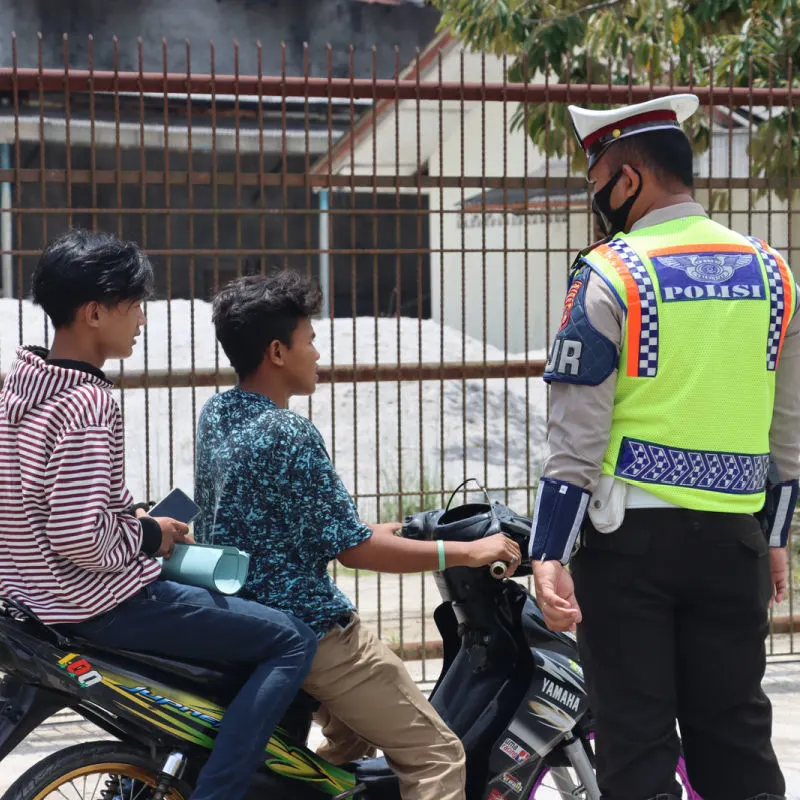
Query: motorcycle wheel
[[556, 783], [94, 771]]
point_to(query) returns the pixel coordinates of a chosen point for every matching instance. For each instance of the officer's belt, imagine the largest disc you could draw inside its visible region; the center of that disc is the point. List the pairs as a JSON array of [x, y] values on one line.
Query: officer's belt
[[636, 497]]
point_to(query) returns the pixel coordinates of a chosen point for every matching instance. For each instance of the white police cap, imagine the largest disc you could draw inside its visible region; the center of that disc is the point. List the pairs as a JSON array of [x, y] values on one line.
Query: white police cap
[[597, 130]]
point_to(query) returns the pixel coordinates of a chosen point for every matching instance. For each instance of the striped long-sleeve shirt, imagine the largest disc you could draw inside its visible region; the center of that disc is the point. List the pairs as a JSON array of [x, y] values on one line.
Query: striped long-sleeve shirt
[[68, 550]]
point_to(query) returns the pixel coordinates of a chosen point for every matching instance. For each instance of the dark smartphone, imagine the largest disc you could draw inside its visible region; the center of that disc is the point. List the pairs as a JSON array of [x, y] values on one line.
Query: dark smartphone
[[178, 505]]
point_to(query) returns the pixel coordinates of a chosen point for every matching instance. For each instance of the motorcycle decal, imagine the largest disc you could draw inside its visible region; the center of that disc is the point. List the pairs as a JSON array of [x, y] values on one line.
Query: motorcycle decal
[[556, 670], [81, 670], [300, 764], [513, 783], [182, 733], [515, 751], [576, 668], [159, 700], [185, 716], [550, 715], [496, 794]]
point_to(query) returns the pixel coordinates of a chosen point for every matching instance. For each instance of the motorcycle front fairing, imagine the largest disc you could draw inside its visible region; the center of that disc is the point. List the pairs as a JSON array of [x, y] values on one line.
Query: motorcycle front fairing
[[511, 699]]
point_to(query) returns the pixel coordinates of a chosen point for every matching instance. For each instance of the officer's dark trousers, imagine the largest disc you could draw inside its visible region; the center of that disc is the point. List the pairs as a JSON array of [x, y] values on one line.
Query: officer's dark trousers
[[674, 624]]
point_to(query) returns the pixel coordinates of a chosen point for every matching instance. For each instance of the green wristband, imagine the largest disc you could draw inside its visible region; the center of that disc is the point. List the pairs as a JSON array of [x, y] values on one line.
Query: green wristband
[[440, 547]]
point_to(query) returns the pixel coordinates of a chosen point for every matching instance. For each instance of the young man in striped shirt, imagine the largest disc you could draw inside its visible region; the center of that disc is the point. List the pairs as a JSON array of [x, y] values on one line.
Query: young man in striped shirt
[[70, 548]]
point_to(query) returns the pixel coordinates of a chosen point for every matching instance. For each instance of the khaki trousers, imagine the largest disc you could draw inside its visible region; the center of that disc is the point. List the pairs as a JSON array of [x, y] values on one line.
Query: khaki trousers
[[370, 701]]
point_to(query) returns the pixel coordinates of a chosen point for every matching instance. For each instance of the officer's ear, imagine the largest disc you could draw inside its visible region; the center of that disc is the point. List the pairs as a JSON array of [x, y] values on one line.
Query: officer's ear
[[631, 180]]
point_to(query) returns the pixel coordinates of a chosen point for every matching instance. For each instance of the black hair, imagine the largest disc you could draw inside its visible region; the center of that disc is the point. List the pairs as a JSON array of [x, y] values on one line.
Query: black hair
[[666, 153], [252, 312], [81, 267]]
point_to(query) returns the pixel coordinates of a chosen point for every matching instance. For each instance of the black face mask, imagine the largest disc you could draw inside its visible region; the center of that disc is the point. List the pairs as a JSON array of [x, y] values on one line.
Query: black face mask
[[613, 220]]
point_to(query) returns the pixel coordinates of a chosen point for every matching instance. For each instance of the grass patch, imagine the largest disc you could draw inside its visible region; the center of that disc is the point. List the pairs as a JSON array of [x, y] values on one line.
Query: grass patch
[[408, 497]]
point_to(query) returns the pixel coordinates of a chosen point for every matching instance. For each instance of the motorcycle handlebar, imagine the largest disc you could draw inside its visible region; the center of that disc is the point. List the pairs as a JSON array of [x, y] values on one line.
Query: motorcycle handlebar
[[498, 569]]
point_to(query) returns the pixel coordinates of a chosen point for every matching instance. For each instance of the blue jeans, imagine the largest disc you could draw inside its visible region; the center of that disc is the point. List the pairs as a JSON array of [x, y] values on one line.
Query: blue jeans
[[184, 622]]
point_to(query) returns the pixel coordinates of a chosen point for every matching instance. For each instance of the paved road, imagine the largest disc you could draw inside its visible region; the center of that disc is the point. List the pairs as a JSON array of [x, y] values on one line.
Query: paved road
[[782, 683]]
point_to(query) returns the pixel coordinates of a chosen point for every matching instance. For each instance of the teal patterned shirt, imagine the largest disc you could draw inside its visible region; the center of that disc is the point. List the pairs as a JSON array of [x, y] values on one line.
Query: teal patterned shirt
[[266, 485]]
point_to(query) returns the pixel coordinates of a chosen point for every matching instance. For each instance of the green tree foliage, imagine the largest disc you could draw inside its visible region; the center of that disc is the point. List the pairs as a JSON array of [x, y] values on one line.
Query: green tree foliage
[[676, 42]]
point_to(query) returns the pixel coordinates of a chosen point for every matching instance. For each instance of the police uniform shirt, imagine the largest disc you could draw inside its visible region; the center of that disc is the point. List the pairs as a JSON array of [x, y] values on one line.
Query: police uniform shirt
[[580, 415]]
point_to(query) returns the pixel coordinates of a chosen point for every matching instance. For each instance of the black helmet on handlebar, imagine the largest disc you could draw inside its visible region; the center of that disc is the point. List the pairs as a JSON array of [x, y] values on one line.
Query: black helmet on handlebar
[[467, 522]]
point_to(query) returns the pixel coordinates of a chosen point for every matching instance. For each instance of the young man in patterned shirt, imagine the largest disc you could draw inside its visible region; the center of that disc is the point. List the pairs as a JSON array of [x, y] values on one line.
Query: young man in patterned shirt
[[266, 484]]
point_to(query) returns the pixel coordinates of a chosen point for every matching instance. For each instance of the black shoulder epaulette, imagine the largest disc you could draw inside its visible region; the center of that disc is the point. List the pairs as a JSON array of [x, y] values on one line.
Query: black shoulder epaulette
[[586, 250]]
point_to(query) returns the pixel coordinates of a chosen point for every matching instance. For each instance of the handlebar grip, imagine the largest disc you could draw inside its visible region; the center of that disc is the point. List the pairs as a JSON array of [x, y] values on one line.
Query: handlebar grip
[[498, 569]]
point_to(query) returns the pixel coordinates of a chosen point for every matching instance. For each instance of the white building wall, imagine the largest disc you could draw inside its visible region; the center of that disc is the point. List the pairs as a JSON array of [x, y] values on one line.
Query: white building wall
[[489, 262], [481, 259]]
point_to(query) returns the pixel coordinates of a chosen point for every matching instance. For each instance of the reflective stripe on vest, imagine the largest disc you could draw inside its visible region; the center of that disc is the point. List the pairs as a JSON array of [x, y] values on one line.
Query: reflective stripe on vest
[[780, 293], [642, 308], [730, 473]]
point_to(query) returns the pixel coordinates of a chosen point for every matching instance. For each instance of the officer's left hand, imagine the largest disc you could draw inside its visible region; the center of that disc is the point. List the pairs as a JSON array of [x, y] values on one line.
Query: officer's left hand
[[555, 593], [778, 567]]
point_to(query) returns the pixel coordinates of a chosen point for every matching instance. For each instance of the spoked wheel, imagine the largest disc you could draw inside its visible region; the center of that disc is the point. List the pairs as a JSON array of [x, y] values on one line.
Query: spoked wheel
[[561, 783], [93, 771]]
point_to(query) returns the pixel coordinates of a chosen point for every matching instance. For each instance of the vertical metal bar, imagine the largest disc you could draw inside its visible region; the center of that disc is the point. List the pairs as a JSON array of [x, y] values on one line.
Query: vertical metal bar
[[770, 133], [484, 320], [307, 174], [143, 238], [262, 233], [42, 184], [441, 276], [506, 216], [168, 247], [353, 282], [92, 141], [422, 496], [526, 291], [67, 130], [750, 148], [6, 228], [463, 278], [17, 182], [192, 260], [117, 143], [651, 75], [711, 132], [284, 160], [375, 308], [630, 77], [324, 251], [398, 312], [237, 163], [730, 146], [214, 196], [590, 227]]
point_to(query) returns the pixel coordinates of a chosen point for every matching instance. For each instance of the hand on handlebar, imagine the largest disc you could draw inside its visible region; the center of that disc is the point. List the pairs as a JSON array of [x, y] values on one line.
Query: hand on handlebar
[[495, 548]]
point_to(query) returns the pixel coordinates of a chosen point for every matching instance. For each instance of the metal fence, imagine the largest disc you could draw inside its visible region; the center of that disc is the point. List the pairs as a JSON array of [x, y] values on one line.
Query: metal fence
[[441, 237]]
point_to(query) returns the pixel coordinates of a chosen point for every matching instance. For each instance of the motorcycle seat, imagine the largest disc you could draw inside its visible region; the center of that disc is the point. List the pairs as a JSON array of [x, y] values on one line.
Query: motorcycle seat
[[372, 769], [214, 678]]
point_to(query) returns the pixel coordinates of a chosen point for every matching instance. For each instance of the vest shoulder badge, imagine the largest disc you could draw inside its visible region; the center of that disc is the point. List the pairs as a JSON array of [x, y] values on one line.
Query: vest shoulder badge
[[580, 354]]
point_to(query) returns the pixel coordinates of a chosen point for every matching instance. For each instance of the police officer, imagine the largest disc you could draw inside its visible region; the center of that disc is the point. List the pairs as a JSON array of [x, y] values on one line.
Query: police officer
[[675, 418]]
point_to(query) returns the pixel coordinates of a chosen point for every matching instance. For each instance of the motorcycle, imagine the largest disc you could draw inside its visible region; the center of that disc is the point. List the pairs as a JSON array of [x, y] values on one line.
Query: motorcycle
[[510, 688]]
